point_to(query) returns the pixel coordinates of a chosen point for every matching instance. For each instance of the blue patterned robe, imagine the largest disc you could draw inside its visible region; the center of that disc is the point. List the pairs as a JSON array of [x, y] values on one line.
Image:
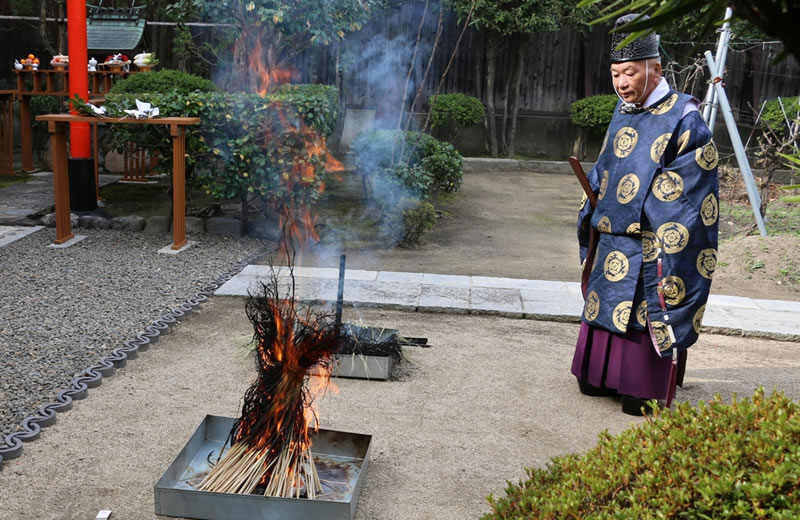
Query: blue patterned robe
[[657, 218]]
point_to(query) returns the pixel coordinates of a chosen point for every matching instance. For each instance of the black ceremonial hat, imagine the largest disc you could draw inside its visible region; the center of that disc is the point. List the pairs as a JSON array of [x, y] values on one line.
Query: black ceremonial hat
[[639, 49]]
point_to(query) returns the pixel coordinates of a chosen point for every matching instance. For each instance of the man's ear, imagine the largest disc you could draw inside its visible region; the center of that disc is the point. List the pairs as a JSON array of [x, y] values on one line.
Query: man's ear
[[657, 68]]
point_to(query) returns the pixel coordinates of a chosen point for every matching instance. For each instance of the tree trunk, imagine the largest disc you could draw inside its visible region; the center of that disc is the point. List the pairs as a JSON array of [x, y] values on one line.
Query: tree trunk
[[62, 28], [519, 69], [491, 69], [43, 27]]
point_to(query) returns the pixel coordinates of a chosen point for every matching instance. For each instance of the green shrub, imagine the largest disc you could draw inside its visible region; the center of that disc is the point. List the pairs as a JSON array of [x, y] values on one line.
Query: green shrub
[[452, 112], [273, 146], [424, 165], [165, 81], [41, 105], [409, 219], [773, 117], [719, 460], [593, 113]]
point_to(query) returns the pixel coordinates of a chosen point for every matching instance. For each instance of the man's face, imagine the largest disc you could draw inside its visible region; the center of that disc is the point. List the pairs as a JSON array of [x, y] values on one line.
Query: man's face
[[632, 80]]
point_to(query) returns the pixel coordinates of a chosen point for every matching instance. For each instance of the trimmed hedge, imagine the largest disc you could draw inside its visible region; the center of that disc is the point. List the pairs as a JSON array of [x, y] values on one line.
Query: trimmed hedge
[[738, 460], [452, 112], [593, 113], [166, 80]]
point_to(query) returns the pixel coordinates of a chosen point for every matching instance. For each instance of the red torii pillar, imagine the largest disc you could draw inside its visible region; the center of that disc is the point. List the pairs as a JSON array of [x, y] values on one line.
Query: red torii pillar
[[81, 164]]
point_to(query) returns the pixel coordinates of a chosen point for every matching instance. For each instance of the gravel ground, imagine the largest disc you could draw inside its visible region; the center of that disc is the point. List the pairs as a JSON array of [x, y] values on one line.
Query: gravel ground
[[62, 310]]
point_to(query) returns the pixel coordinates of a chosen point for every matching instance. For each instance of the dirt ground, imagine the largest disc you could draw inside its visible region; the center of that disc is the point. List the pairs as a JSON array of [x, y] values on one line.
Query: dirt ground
[[522, 225]]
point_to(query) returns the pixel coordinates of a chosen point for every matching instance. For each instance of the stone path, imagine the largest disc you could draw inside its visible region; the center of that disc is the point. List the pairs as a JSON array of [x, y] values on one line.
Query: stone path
[[9, 234], [518, 298], [24, 200]]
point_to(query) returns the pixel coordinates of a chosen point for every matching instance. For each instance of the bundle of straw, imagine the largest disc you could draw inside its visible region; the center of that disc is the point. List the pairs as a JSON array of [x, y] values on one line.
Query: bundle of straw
[[270, 442]]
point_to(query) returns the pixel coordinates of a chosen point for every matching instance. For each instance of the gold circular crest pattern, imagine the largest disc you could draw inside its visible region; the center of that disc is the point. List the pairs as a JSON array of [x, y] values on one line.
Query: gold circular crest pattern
[[604, 225], [603, 185], [616, 266], [674, 236], [621, 315], [659, 145], [674, 289], [661, 335], [707, 156], [683, 140], [625, 141], [667, 186], [707, 263], [709, 210], [666, 106], [634, 229], [627, 188], [697, 320], [592, 306], [649, 246], [584, 198], [641, 313]]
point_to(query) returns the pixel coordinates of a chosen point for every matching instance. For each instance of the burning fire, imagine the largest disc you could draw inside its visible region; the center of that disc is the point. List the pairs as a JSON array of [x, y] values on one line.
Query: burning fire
[[271, 441]]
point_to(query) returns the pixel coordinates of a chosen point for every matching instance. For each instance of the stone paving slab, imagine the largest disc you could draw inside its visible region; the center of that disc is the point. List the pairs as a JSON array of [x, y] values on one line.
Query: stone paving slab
[[10, 234], [537, 299]]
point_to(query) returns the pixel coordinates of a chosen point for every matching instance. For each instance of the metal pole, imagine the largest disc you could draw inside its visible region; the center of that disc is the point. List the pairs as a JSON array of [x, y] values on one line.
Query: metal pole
[[736, 140], [710, 106]]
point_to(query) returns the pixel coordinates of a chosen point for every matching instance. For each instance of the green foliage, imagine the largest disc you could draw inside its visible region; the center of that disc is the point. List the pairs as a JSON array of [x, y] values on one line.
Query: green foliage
[[452, 112], [423, 165], [162, 81], [322, 21], [775, 18], [593, 113], [774, 118], [273, 146], [738, 460], [41, 105], [508, 17]]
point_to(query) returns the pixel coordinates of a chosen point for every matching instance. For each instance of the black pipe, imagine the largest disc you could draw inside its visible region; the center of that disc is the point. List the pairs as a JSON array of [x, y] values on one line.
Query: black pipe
[[340, 294]]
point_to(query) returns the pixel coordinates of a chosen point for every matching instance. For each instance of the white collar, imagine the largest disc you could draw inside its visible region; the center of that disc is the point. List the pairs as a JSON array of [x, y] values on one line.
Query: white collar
[[658, 93]]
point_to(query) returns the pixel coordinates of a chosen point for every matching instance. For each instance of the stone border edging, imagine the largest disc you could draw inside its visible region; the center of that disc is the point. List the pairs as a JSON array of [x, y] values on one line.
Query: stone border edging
[[11, 446]]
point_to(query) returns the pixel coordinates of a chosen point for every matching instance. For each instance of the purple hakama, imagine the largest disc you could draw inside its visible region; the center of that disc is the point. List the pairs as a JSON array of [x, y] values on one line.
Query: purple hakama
[[625, 363]]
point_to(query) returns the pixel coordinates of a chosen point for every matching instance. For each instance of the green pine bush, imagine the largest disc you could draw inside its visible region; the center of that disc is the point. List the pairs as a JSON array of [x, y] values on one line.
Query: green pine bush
[[738, 460], [166, 80], [593, 113], [452, 112]]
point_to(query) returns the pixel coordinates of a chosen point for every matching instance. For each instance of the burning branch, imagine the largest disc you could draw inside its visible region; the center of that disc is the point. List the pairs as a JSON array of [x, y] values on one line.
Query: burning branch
[[270, 443]]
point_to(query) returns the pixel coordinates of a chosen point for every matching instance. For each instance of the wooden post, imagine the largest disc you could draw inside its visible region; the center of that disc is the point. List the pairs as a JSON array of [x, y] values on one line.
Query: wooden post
[[96, 173], [26, 132], [178, 134], [58, 132]]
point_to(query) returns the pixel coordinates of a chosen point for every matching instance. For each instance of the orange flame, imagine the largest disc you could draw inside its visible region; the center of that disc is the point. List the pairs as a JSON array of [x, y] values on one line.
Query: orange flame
[[265, 77]]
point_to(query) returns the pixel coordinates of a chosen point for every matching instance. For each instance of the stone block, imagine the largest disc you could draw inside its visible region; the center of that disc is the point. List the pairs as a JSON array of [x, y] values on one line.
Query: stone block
[[128, 223], [94, 222], [49, 220], [264, 228], [224, 226], [157, 224], [195, 225]]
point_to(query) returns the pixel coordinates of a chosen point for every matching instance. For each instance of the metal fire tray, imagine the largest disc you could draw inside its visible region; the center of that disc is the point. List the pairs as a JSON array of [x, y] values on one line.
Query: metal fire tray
[[341, 459], [361, 367]]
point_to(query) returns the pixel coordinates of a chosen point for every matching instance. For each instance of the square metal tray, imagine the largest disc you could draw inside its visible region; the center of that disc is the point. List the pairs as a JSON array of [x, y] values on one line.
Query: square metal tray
[[341, 459]]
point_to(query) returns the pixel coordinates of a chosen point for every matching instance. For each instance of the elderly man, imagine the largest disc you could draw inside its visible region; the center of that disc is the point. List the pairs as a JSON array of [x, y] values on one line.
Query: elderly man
[[651, 240]]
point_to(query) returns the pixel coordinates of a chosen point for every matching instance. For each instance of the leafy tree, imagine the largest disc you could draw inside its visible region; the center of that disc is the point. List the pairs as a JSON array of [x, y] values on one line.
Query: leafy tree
[[267, 34], [777, 18], [512, 21]]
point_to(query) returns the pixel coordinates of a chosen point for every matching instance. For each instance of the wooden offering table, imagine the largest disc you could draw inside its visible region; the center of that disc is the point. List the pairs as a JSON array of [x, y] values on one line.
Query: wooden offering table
[[57, 125]]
